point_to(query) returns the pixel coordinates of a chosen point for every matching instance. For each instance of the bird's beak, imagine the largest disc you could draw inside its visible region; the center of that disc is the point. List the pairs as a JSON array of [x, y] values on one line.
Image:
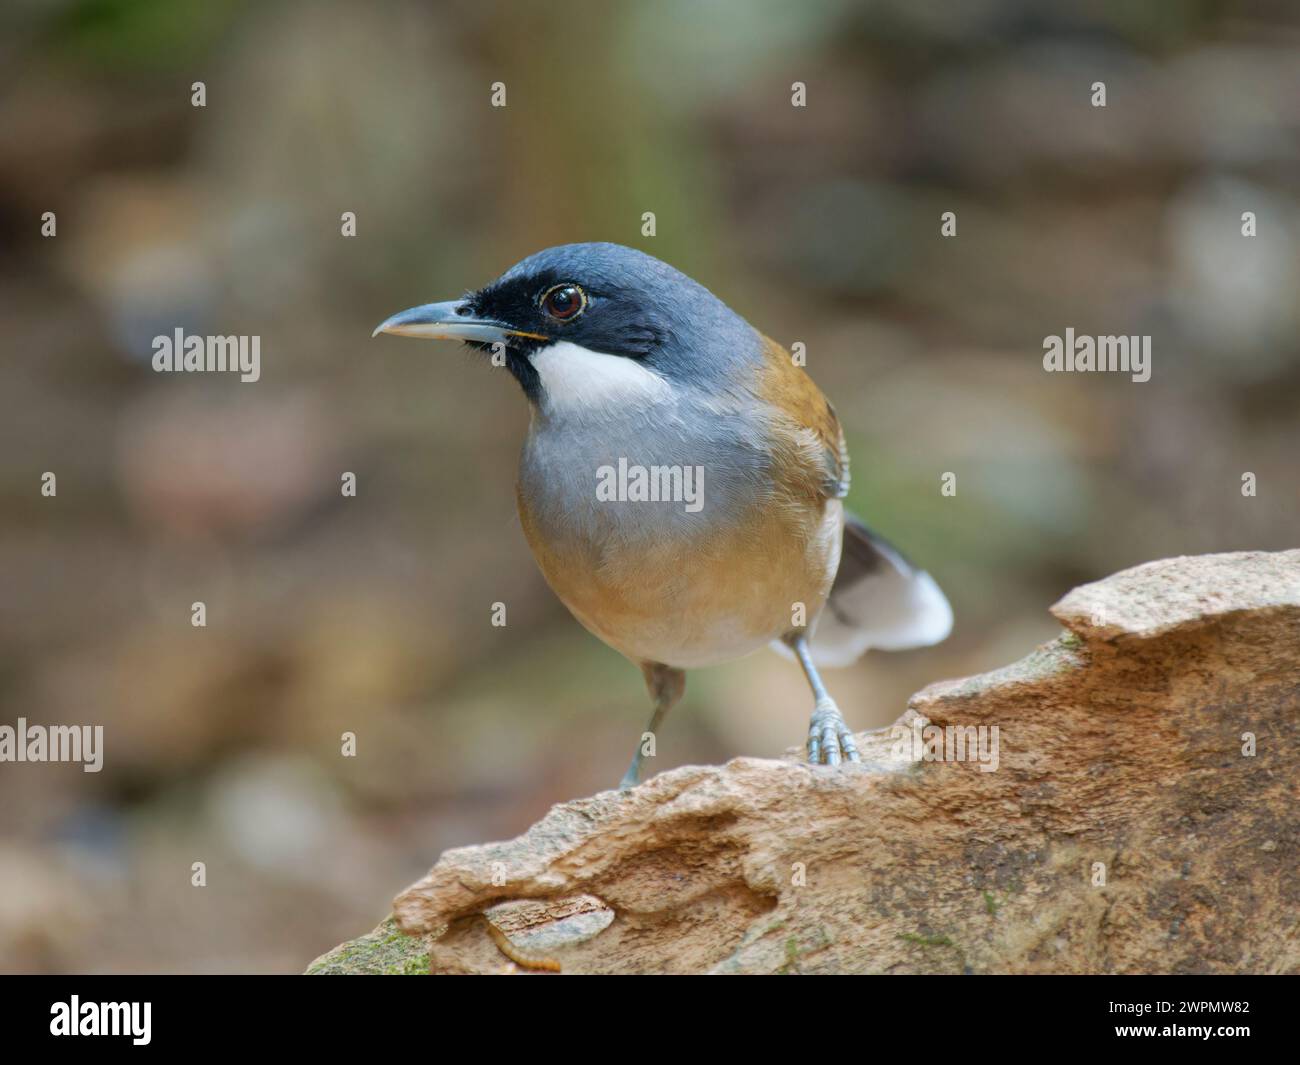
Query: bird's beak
[[449, 321]]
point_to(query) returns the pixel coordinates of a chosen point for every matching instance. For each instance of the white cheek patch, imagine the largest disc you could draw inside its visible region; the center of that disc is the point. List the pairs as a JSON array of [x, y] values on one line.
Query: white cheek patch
[[576, 379]]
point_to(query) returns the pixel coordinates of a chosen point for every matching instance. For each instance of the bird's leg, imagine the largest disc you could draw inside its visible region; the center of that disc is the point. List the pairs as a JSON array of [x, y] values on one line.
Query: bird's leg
[[666, 686], [829, 738]]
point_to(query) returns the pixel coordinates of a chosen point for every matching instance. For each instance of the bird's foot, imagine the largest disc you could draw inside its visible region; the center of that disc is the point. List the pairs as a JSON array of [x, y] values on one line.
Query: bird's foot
[[829, 739]]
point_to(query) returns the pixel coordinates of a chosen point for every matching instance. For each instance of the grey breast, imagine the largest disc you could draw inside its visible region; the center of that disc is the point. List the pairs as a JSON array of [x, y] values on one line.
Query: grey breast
[[717, 457]]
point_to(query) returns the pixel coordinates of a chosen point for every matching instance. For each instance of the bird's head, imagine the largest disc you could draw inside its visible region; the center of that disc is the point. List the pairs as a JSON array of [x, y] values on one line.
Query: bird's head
[[583, 323]]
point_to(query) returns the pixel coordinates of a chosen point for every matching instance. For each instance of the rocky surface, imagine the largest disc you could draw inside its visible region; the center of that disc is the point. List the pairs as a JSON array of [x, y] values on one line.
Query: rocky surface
[[1136, 813]]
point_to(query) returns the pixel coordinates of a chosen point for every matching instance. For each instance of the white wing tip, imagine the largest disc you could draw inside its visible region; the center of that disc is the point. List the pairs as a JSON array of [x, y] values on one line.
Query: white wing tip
[[933, 621], [924, 618]]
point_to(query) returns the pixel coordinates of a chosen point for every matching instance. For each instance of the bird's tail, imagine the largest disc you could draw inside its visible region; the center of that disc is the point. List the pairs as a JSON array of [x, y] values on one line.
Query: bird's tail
[[879, 600]]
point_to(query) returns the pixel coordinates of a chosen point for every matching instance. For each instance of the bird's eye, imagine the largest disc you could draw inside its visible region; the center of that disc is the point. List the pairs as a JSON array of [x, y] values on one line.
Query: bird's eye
[[564, 302]]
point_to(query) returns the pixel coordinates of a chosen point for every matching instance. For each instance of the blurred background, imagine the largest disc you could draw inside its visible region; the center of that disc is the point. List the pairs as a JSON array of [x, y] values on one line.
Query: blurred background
[[372, 614]]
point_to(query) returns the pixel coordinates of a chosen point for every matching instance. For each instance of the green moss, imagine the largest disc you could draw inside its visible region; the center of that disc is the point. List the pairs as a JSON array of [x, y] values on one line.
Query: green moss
[[927, 941], [386, 951], [793, 952]]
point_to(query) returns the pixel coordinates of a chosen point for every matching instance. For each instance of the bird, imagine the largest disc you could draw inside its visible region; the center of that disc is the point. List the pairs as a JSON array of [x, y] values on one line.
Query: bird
[[682, 481]]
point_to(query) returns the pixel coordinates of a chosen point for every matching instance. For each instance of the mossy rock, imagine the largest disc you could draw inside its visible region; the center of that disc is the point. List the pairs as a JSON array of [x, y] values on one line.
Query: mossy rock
[[387, 951]]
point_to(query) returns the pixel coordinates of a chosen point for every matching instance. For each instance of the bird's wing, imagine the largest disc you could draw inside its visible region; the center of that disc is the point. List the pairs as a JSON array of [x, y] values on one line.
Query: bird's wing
[[811, 458], [879, 600]]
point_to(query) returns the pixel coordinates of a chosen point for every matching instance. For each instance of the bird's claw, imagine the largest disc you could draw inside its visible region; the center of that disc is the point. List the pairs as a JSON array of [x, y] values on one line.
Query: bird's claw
[[829, 740]]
